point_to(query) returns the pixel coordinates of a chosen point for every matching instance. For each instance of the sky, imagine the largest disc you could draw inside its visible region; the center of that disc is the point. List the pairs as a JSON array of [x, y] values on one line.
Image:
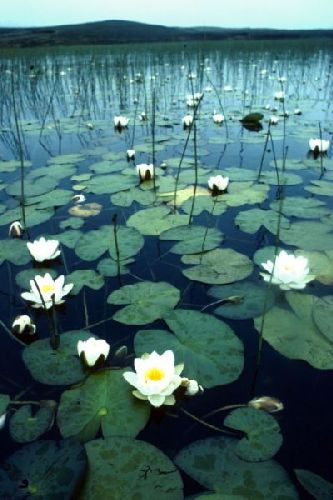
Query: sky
[[288, 14]]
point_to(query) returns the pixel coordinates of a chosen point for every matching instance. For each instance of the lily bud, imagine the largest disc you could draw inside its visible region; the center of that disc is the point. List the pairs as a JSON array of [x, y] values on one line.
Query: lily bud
[[130, 154], [121, 352], [2, 420], [93, 351], [79, 198], [266, 403], [16, 229], [192, 387], [23, 325]]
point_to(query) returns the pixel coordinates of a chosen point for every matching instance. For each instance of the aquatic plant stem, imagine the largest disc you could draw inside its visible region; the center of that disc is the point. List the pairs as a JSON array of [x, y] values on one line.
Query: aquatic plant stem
[[206, 424], [116, 244], [322, 169]]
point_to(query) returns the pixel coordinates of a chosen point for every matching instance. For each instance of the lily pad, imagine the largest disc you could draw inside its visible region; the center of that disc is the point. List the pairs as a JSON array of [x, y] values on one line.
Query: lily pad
[[147, 301], [23, 277], [110, 267], [213, 463], [25, 426], [294, 333], [104, 399], [263, 438], [304, 208], [126, 198], [56, 367], [251, 220], [44, 469], [322, 315], [14, 251], [110, 183], [219, 266], [317, 486], [242, 300], [125, 468], [308, 235], [33, 187], [208, 347], [85, 277], [204, 203], [193, 239], [85, 210], [323, 188], [153, 221], [244, 194], [94, 243], [4, 402], [129, 242]]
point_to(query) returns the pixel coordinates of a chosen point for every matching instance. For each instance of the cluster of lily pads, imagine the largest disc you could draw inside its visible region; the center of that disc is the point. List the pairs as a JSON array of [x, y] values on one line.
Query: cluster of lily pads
[[105, 403]]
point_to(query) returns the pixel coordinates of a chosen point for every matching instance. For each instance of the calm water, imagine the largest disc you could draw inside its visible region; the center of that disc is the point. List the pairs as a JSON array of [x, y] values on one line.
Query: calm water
[[56, 111]]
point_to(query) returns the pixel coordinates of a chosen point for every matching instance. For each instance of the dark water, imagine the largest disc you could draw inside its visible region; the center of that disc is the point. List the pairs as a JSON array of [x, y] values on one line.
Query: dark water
[[59, 93]]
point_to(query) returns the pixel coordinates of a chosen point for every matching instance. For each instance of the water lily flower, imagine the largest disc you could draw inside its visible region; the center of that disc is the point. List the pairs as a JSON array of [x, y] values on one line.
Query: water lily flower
[[92, 350], [289, 272], [143, 117], [273, 120], [319, 145], [2, 420], [43, 249], [15, 229], [279, 95], [218, 117], [155, 378], [218, 183], [187, 121], [146, 172], [120, 122], [192, 386], [130, 154], [193, 100], [297, 111], [227, 88], [266, 403], [47, 291], [90, 126], [23, 325], [79, 198]]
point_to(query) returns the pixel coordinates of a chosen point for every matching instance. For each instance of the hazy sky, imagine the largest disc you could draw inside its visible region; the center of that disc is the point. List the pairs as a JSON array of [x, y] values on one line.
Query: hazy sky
[[287, 14]]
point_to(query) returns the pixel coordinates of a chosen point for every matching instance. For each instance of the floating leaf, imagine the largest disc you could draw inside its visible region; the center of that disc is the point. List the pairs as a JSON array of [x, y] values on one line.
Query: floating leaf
[[61, 366], [94, 243], [153, 221], [4, 402], [304, 208], [110, 183], [204, 203], [323, 188], [147, 301], [32, 187], [25, 426], [124, 468], [72, 223], [14, 251], [242, 193], [219, 266], [322, 315], [309, 235], [104, 399], [263, 438], [249, 303], [44, 469], [208, 347], [126, 198], [53, 198], [251, 220], [23, 277], [213, 463], [85, 277], [294, 333], [110, 267], [317, 486], [129, 242], [193, 239], [85, 210]]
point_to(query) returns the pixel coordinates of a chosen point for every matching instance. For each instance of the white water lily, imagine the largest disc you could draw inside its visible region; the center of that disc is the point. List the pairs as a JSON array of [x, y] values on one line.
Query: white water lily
[[130, 154], [47, 291], [279, 95], [320, 145], [120, 121], [93, 349], [289, 272], [218, 117], [155, 378], [297, 111], [145, 171], [43, 249], [15, 229], [2, 420], [193, 100], [187, 120], [228, 88], [218, 183], [79, 198], [23, 325], [273, 120]]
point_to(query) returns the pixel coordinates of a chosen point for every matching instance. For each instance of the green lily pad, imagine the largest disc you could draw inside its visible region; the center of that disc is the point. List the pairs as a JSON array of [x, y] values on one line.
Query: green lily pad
[[94, 243], [56, 367], [208, 347], [12, 165], [14, 251], [44, 469], [110, 267], [126, 198], [304, 208], [147, 301], [23, 277], [4, 402], [308, 235], [251, 220], [65, 159], [317, 486], [263, 438], [242, 300], [25, 426], [72, 223], [129, 242], [294, 333], [285, 178], [110, 183], [214, 464], [153, 221], [219, 266], [53, 198], [104, 399], [68, 238], [193, 239], [32, 214], [241, 193], [33, 187], [125, 468], [322, 315], [85, 277], [323, 188], [204, 203]]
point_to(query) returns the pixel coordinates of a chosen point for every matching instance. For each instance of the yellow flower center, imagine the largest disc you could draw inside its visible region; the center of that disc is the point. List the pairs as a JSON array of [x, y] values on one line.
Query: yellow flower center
[[47, 288], [154, 374]]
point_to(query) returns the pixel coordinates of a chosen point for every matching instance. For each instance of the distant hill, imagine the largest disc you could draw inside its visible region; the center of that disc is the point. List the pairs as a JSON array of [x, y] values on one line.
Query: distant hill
[[111, 32]]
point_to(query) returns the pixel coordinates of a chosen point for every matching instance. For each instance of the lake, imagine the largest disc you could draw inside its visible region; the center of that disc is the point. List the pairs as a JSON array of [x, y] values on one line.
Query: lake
[[117, 153]]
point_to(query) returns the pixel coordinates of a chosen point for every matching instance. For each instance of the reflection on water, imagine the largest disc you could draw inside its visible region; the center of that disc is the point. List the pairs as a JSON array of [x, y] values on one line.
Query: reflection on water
[[59, 143]]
